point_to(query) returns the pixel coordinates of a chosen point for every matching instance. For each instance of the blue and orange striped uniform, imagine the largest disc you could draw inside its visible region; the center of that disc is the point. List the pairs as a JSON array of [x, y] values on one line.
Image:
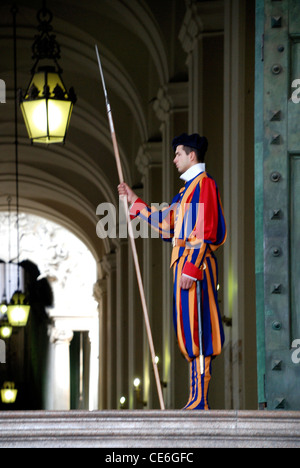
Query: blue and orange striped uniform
[[195, 223]]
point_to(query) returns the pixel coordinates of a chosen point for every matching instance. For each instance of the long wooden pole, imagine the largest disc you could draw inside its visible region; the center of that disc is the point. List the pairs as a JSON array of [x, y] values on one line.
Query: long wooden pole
[[131, 236]]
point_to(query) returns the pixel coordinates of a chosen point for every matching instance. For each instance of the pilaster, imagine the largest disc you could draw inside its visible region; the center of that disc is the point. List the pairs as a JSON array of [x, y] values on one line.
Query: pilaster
[[202, 21], [237, 199], [109, 266], [149, 164], [171, 108], [100, 295], [60, 340], [122, 322]]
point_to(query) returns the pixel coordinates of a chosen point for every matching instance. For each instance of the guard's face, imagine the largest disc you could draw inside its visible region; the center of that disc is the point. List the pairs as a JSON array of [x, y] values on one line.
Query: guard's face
[[182, 161]]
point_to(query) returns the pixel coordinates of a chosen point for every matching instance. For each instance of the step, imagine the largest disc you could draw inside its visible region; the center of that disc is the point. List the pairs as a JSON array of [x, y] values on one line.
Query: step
[[149, 429]]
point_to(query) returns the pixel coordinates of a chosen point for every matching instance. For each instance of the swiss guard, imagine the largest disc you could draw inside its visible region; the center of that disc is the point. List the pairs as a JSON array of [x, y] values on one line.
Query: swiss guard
[[194, 222]]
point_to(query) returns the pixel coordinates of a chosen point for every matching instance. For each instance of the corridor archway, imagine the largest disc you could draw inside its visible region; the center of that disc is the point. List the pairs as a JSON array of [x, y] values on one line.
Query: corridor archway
[[70, 269]]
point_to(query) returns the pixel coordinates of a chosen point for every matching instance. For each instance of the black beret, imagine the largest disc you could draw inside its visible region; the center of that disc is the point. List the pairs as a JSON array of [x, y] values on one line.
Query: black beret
[[193, 141]]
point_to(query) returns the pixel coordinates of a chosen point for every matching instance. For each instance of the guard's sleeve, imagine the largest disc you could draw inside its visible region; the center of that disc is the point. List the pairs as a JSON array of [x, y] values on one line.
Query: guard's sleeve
[[213, 228], [161, 220]]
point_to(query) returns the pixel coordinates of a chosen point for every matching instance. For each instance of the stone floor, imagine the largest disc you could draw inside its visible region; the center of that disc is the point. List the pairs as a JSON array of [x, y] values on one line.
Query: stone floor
[[150, 429]]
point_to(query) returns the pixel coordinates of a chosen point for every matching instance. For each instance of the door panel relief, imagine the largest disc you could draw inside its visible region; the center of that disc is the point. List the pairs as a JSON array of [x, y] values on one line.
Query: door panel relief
[[281, 202]]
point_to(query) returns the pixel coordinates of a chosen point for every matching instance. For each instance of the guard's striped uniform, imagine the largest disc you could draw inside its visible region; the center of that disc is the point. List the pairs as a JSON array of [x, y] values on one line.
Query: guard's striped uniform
[[196, 233]]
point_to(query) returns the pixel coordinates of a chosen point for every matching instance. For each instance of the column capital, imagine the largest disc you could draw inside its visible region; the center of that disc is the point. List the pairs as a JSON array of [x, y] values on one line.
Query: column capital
[[60, 335], [100, 288], [171, 97], [200, 17], [109, 263], [149, 155]]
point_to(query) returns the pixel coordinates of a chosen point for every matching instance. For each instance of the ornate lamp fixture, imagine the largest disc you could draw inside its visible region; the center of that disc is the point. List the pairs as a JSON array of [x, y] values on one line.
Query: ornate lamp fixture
[[18, 310], [47, 105]]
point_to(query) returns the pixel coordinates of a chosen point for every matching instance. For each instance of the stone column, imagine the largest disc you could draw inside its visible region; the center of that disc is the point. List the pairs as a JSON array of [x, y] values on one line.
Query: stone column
[[203, 21], [122, 325], [171, 108], [148, 162], [59, 397], [92, 381], [135, 322], [100, 294], [202, 39], [238, 200], [108, 265]]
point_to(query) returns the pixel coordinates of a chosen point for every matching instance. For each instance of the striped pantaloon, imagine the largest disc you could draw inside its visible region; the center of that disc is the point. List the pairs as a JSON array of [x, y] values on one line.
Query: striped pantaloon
[[185, 316]]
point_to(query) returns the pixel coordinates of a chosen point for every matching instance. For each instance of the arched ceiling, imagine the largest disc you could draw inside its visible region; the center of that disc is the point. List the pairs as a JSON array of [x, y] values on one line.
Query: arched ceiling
[[140, 52]]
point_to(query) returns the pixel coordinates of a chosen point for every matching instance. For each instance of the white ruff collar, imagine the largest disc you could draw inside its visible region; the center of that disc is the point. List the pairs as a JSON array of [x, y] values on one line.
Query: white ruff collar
[[193, 172]]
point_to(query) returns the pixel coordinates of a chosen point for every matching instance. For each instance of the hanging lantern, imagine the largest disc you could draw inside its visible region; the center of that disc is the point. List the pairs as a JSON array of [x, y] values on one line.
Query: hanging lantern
[[3, 307], [46, 105], [18, 310], [5, 330], [9, 393]]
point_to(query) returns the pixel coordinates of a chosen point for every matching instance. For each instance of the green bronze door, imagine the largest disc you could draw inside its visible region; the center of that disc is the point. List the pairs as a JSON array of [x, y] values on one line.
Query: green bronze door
[[278, 202]]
